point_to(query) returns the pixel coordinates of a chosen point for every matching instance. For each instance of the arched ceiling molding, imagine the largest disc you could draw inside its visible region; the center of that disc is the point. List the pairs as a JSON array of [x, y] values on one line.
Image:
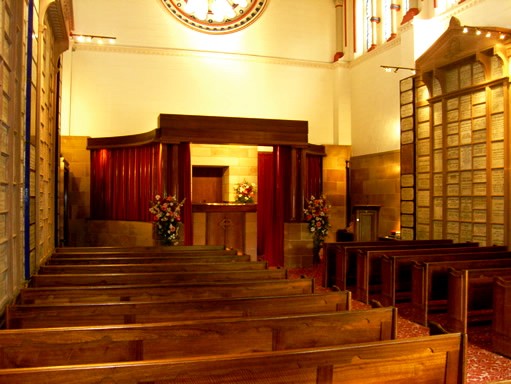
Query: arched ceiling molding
[[60, 17]]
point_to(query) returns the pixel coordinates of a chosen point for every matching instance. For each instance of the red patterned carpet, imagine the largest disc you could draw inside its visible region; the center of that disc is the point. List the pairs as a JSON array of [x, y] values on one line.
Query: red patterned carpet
[[483, 366]]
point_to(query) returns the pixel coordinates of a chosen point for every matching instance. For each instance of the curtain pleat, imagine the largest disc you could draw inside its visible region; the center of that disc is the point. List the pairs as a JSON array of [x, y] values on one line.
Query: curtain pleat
[[124, 181], [313, 185], [265, 186]]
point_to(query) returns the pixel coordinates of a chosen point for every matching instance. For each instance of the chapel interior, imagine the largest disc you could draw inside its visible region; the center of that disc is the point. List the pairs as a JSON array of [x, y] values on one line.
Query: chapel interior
[[397, 112]]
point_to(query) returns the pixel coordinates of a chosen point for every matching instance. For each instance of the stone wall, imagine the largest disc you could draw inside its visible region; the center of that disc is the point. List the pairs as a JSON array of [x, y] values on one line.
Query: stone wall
[[375, 180], [74, 150]]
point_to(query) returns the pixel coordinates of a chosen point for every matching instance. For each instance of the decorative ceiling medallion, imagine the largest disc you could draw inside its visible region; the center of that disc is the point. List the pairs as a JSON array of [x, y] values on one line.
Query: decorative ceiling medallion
[[216, 16]]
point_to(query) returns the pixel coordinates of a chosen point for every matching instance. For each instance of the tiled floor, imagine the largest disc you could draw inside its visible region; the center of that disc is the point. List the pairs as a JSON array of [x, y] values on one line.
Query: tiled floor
[[483, 366]]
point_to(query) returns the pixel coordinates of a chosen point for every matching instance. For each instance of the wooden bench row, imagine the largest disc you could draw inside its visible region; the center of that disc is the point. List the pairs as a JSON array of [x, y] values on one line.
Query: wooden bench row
[[136, 337], [79, 279], [156, 291], [372, 275], [396, 267], [144, 259], [431, 359], [340, 257], [99, 344], [501, 331], [142, 249], [430, 283], [103, 313], [470, 297], [149, 268]]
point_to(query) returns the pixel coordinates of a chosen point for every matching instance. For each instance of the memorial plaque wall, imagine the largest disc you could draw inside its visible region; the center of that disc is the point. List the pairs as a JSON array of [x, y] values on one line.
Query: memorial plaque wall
[[458, 145]]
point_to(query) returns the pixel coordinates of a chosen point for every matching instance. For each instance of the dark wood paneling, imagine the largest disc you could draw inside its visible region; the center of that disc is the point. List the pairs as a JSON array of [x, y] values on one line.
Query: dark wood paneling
[[232, 130]]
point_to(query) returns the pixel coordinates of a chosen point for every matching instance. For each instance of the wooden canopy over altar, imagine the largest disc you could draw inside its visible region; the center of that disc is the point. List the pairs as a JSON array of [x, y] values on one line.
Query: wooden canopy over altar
[[290, 179], [175, 129]]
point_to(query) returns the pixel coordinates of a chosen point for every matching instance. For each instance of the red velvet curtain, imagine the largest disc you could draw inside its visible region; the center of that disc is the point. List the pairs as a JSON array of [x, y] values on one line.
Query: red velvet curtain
[[265, 187], [125, 180], [314, 179]]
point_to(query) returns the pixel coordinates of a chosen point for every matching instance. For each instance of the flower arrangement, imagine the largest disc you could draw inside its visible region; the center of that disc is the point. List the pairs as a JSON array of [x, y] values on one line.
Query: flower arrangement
[[316, 214], [244, 192], [166, 211]]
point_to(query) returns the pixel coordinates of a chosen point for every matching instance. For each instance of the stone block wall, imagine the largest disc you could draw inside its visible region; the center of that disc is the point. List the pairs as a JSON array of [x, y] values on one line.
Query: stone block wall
[[375, 180], [74, 150], [241, 161]]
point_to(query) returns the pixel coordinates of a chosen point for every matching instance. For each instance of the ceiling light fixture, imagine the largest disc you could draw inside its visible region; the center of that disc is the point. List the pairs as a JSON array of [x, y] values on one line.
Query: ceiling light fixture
[[391, 68], [488, 32], [88, 39]]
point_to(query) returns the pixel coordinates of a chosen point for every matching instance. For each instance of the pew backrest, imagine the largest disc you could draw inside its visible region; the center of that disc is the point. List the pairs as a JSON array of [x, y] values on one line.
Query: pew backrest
[[146, 259], [148, 268], [369, 268], [55, 280], [430, 359], [396, 266], [501, 331], [151, 253], [87, 314], [169, 249], [21, 348], [430, 282], [470, 295], [345, 256], [178, 291]]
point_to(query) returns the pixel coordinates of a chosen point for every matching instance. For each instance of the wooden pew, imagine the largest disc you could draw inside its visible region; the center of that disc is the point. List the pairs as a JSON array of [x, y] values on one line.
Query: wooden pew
[[470, 296], [147, 259], [22, 348], [85, 314], [430, 359], [396, 279], [501, 331], [178, 291], [331, 250], [149, 268], [38, 280], [346, 253], [369, 266], [173, 248], [430, 283], [140, 253]]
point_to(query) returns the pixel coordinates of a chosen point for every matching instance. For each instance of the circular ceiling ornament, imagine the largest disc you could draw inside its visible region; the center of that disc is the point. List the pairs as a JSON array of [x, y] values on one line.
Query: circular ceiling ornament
[[216, 16]]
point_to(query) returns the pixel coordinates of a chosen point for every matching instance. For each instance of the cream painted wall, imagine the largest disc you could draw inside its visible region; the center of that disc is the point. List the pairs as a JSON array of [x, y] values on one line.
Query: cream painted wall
[[280, 67], [297, 29], [123, 91], [277, 68], [375, 101]]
